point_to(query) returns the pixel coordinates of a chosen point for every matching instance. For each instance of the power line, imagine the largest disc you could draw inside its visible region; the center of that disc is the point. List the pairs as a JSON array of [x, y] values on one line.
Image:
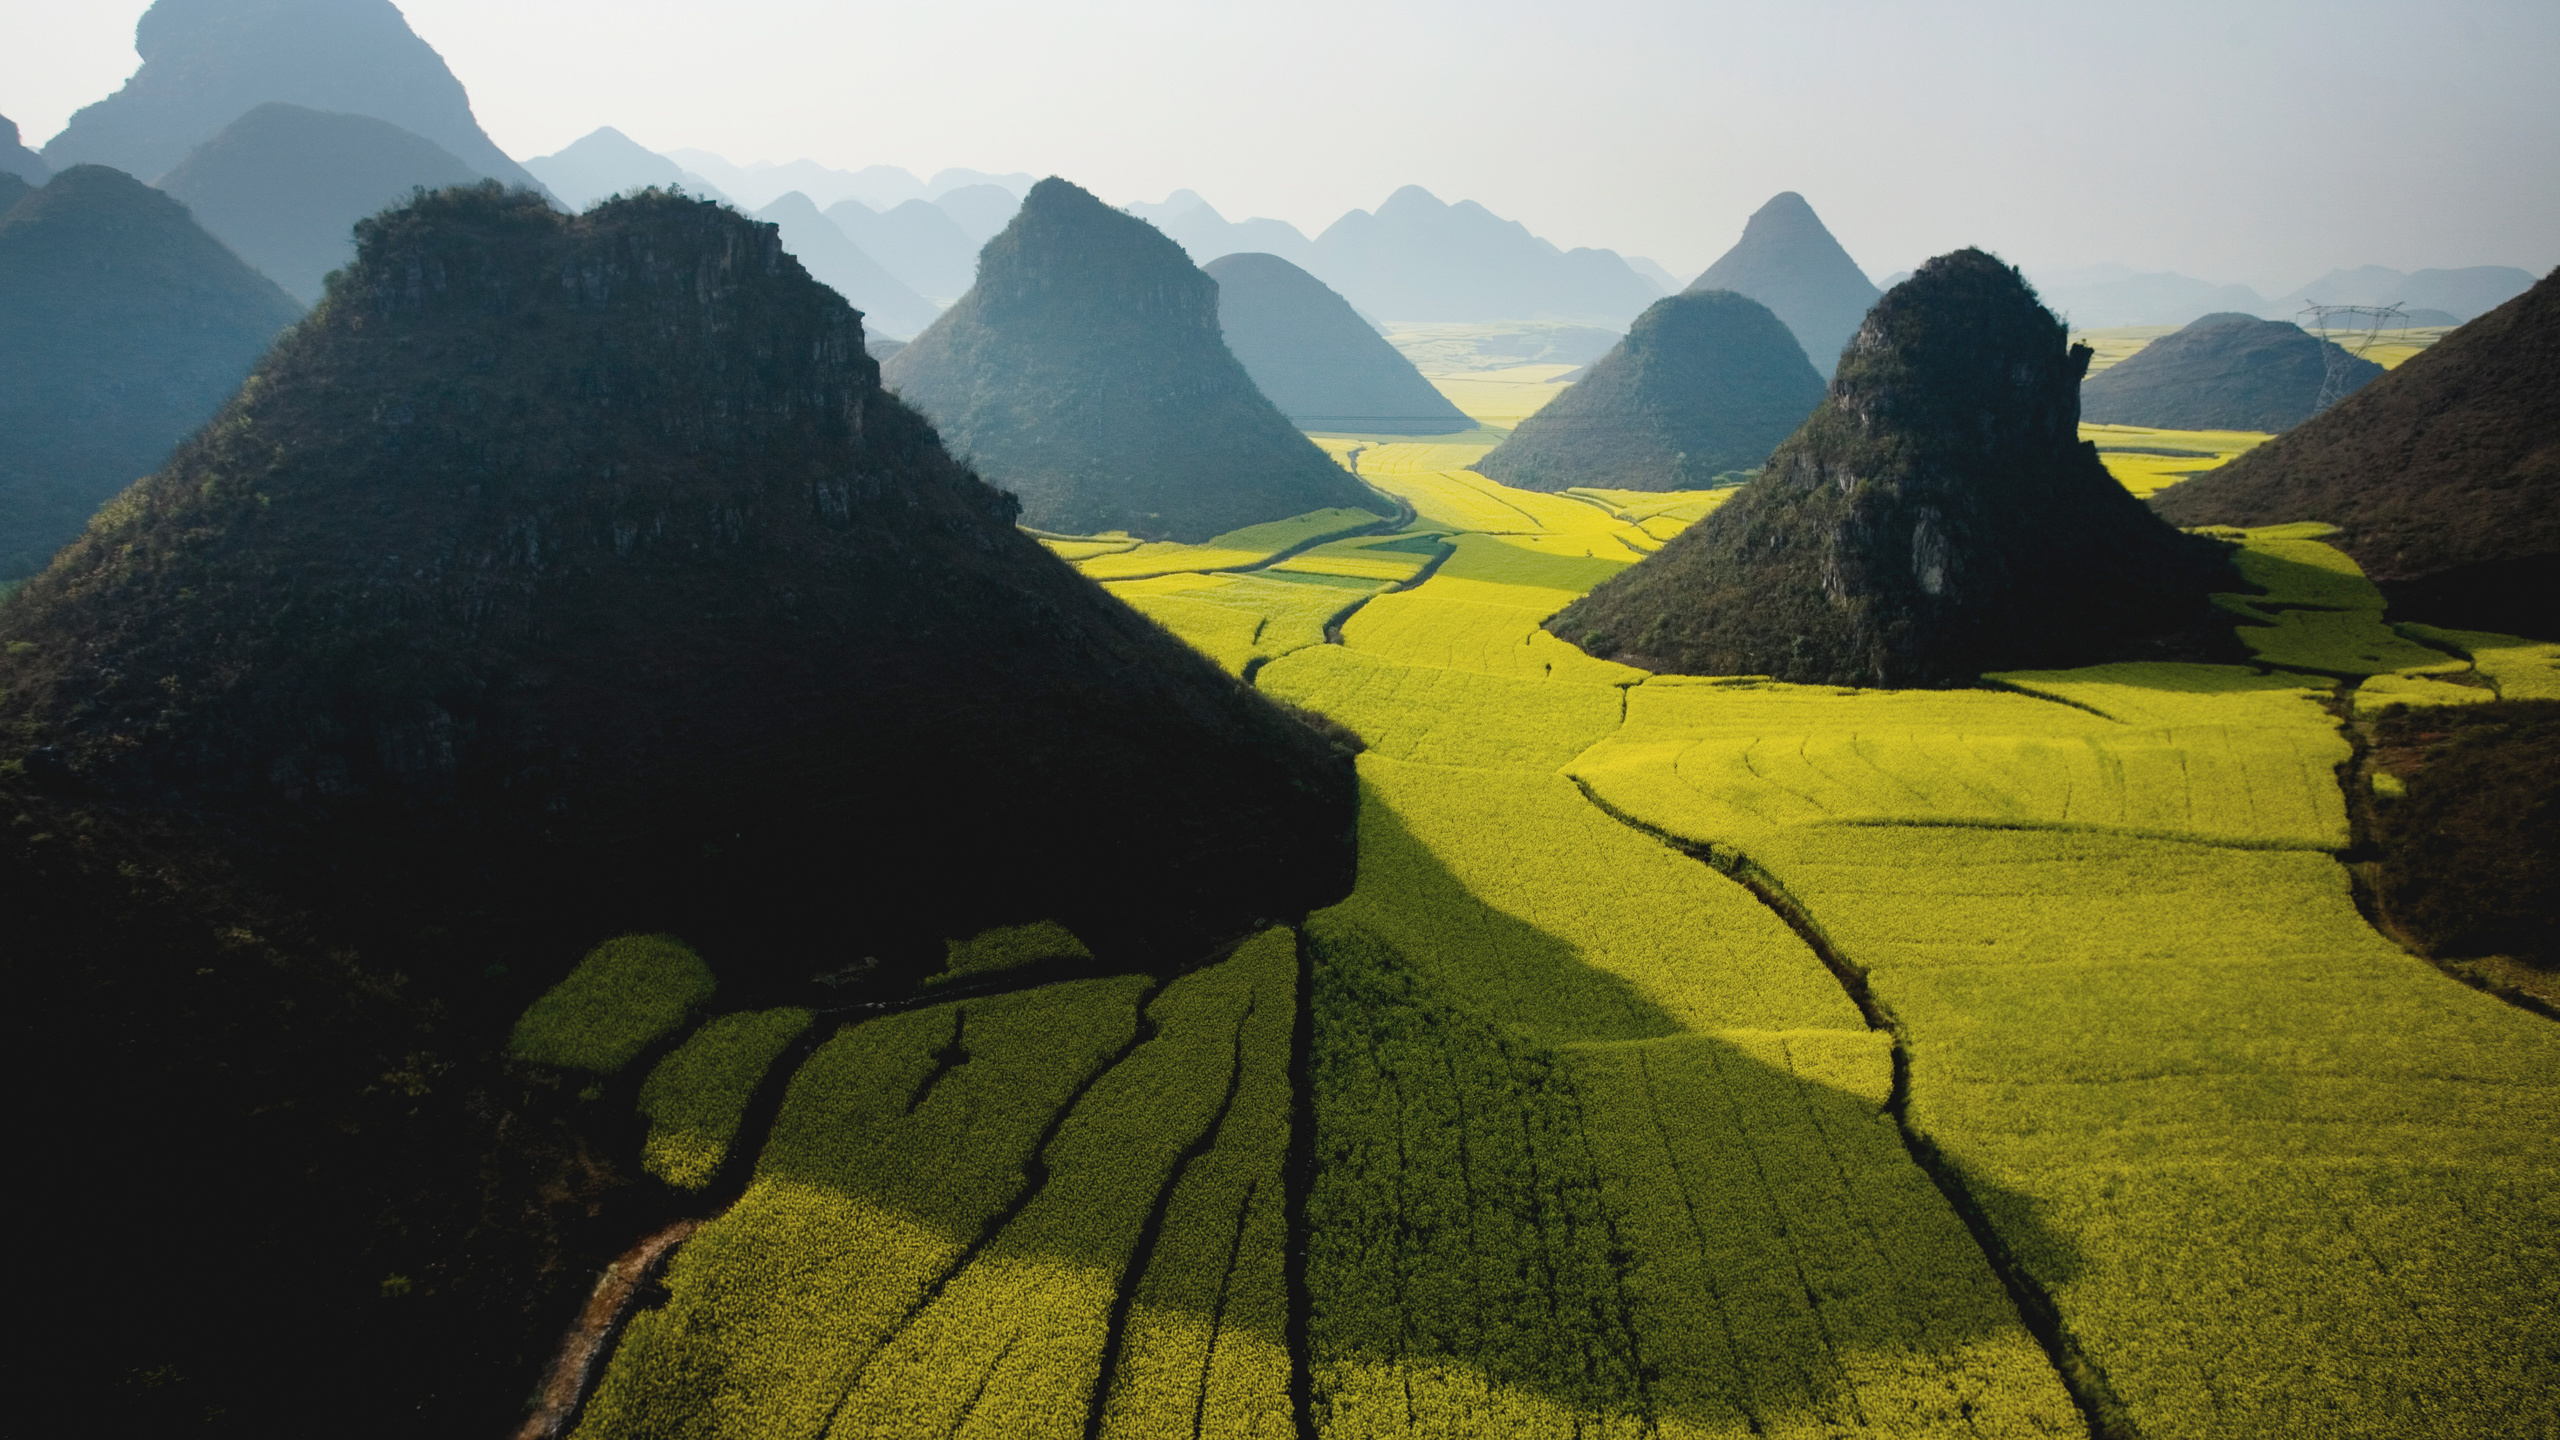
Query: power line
[[2365, 324]]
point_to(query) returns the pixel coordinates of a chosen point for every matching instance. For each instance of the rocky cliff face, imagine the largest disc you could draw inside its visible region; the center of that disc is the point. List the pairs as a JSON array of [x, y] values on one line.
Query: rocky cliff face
[[1085, 372], [1937, 517], [1704, 385]]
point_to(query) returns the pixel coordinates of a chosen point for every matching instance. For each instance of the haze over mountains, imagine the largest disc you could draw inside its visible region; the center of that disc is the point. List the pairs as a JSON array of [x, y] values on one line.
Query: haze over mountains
[[123, 327], [1789, 262], [206, 62], [886, 303], [2443, 475], [1937, 518], [16, 159], [2223, 372], [284, 186], [1313, 356], [1085, 372], [2097, 296]]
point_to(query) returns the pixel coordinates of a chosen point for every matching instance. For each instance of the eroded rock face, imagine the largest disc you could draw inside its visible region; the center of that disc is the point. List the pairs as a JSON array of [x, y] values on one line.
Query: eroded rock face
[[1937, 517]]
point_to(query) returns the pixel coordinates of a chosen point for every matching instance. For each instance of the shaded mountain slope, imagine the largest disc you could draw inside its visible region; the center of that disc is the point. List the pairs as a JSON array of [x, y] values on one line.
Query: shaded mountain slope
[[1788, 261], [1936, 518], [1315, 358], [2222, 372], [566, 575], [1084, 371], [885, 302], [498, 615], [284, 186], [123, 326], [207, 62], [1417, 258], [1704, 384], [16, 159], [2444, 475]]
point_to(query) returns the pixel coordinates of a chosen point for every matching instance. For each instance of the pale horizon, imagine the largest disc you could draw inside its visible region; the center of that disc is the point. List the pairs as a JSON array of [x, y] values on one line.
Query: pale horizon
[[2262, 147]]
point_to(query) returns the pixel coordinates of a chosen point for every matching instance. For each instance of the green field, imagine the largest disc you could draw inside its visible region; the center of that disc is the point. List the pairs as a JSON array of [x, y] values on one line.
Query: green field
[[1693, 1057]]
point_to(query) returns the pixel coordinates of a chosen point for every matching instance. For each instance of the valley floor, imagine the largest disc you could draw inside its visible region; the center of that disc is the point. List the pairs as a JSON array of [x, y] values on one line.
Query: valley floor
[[1694, 1057]]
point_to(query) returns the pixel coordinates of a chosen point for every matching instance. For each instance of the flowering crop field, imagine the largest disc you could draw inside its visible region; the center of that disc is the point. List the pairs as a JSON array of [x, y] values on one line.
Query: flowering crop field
[[698, 1094], [1005, 1217], [1692, 1057], [1235, 550]]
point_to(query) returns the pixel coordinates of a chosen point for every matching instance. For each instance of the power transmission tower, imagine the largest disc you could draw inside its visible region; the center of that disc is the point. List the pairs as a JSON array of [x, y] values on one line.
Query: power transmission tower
[[2363, 325]]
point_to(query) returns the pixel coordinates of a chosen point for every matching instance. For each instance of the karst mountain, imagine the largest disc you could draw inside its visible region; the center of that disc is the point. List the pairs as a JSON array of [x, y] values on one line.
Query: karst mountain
[[2443, 475], [1789, 262], [1703, 387], [1085, 372], [887, 304], [587, 574], [1936, 518], [123, 327], [284, 186], [1315, 358], [2223, 372], [205, 63]]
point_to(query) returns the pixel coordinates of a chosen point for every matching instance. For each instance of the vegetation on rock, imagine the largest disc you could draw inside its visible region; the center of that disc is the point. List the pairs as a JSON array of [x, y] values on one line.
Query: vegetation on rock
[[1703, 387], [1936, 518], [2443, 477], [1085, 373], [2223, 372]]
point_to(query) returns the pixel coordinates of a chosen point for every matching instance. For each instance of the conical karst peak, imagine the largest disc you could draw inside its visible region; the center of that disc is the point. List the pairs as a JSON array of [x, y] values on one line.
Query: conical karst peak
[[1315, 358], [1086, 372], [633, 602], [1936, 518], [1789, 261], [1704, 385]]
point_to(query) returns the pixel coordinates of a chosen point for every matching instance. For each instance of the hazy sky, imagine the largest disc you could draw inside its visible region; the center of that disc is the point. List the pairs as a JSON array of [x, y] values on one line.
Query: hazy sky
[[2262, 142]]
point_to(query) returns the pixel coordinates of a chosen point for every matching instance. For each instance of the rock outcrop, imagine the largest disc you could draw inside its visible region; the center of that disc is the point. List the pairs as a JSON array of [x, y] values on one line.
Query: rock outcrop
[[123, 327], [2443, 475], [1938, 517], [1704, 386], [1313, 356], [1084, 372], [2222, 372], [1788, 261]]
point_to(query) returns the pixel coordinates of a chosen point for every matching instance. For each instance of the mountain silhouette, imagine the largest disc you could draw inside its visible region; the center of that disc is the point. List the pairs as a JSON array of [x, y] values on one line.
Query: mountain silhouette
[[123, 326], [2466, 293], [1419, 259], [1937, 517], [2442, 475], [16, 159], [886, 303], [1787, 261], [915, 240], [1704, 384], [1204, 234], [2222, 372], [606, 162], [633, 563], [284, 186], [206, 62], [1084, 371], [1315, 358], [980, 210]]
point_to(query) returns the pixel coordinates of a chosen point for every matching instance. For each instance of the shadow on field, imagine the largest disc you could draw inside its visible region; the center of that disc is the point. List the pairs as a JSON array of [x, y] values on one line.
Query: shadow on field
[[1534, 1234]]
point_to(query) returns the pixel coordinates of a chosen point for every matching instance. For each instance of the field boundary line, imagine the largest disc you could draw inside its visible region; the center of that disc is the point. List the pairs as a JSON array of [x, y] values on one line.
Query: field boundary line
[[2100, 1408]]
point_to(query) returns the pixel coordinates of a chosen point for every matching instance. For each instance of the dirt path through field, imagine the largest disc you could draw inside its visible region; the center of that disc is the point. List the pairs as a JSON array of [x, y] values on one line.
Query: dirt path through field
[[589, 1342]]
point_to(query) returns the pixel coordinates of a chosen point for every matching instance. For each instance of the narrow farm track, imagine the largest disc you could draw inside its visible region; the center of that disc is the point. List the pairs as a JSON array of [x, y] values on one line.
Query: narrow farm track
[[588, 1346]]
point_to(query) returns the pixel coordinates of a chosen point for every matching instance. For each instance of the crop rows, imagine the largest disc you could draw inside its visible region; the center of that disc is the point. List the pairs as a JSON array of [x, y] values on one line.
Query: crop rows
[[1233, 550], [2520, 669], [1734, 759], [2279, 1179], [623, 997], [696, 1097], [969, 1216]]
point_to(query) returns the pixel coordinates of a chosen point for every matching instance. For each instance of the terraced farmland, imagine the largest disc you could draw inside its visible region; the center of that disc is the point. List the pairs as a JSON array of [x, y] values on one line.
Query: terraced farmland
[[1693, 1057]]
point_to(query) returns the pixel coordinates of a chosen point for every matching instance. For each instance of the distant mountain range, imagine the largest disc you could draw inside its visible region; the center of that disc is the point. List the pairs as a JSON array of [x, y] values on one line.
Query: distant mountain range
[[607, 162], [2100, 296], [887, 303], [207, 62], [17, 159], [284, 186], [880, 187], [1788, 261]]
